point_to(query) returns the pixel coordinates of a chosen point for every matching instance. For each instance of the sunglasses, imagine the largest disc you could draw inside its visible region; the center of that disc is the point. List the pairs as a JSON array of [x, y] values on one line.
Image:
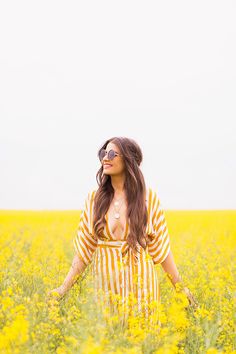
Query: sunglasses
[[111, 154]]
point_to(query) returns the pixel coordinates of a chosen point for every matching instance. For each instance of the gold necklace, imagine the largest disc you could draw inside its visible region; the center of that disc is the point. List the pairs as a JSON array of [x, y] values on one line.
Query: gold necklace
[[116, 204]]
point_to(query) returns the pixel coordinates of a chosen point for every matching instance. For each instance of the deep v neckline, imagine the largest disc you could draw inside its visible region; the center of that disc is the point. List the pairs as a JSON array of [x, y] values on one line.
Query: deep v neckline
[[110, 230], [126, 223]]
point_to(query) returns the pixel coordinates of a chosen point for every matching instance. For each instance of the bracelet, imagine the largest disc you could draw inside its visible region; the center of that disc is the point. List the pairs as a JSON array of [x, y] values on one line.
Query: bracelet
[[179, 279], [179, 284]]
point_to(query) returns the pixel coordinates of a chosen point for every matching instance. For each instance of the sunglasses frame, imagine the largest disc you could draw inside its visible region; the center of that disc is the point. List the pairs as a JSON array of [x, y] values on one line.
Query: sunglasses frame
[[114, 154]]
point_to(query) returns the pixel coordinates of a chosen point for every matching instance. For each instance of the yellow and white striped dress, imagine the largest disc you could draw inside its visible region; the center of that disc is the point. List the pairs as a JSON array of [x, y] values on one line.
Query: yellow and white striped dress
[[117, 271]]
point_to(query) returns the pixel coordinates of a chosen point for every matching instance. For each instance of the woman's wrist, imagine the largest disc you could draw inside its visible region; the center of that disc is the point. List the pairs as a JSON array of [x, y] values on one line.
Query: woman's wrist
[[176, 281], [63, 289]]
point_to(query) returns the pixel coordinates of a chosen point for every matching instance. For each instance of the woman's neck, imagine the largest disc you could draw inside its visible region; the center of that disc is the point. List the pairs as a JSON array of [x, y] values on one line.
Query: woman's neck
[[118, 183]]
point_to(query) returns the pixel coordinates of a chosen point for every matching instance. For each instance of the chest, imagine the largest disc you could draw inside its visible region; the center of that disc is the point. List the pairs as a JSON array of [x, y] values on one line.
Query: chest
[[117, 225]]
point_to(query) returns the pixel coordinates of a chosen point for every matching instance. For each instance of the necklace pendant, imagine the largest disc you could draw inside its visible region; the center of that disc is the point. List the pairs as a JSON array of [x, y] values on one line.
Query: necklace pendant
[[117, 215]]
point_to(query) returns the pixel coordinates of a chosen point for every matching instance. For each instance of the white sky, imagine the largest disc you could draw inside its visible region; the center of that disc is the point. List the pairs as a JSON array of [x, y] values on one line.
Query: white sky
[[73, 74]]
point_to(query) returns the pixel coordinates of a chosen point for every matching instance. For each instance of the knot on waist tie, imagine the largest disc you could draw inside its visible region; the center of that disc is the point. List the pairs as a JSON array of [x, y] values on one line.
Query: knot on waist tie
[[123, 246]]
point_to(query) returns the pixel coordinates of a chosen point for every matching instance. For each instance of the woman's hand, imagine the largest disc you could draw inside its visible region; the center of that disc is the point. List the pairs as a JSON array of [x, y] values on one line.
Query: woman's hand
[[191, 299], [56, 293]]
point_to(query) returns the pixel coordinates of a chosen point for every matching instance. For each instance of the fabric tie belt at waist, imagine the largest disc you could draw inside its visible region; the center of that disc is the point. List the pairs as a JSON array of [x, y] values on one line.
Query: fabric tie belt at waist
[[122, 245]]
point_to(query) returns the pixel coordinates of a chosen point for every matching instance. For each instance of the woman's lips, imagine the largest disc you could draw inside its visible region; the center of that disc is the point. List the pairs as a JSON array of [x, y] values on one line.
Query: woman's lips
[[107, 165]]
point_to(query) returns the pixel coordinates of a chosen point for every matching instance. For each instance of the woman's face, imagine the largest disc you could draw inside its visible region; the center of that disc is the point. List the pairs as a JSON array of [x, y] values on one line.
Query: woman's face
[[115, 166]]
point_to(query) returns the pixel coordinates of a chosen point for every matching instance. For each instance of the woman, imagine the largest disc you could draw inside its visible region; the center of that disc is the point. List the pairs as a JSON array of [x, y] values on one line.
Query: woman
[[124, 231]]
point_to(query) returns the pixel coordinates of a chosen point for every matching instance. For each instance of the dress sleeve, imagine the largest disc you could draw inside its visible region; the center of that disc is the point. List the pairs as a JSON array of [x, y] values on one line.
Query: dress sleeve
[[159, 245], [84, 242]]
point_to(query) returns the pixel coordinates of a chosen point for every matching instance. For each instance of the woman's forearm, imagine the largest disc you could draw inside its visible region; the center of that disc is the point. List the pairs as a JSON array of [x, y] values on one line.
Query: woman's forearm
[[76, 269], [170, 268], [172, 272]]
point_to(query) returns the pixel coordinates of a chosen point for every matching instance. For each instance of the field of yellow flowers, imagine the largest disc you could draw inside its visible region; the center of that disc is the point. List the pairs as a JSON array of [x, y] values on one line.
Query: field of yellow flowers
[[36, 254]]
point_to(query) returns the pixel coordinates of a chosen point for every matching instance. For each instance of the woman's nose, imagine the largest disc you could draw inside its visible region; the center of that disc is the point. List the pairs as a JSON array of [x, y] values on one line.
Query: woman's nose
[[105, 158]]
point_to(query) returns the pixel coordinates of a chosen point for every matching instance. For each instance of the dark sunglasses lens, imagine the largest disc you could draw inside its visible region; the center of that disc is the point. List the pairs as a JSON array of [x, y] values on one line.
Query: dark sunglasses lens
[[102, 154], [111, 155]]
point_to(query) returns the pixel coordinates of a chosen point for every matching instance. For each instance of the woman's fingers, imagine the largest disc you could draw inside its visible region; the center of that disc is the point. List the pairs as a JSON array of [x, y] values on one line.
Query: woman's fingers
[[191, 299]]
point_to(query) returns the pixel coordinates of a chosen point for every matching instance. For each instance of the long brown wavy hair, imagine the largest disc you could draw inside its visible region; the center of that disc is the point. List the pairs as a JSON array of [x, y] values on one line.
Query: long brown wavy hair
[[135, 190]]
